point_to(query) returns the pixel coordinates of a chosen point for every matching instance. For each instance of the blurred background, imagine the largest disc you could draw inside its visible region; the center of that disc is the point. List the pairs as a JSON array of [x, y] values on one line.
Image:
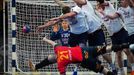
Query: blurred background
[[1, 35]]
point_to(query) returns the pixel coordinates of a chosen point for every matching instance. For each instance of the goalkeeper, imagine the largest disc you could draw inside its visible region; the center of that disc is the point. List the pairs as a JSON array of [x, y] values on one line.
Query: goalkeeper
[[86, 56]]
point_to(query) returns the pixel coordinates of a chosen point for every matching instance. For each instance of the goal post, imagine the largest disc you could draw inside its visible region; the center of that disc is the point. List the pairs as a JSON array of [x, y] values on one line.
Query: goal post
[[25, 46]]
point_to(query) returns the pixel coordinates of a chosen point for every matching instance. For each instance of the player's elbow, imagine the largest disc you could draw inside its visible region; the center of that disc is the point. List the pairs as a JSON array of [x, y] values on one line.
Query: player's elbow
[[71, 14], [111, 17]]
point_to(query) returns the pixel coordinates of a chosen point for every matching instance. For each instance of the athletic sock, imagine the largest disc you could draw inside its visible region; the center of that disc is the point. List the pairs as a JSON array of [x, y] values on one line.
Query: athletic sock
[[112, 66], [132, 72], [119, 71], [122, 72], [75, 70]]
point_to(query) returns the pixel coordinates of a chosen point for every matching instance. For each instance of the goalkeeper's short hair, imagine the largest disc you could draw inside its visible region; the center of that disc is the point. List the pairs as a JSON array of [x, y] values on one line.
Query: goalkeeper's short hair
[[65, 9]]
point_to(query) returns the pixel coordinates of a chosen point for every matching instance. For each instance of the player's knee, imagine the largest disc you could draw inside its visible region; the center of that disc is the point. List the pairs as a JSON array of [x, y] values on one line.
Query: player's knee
[[127, 52], [132, 48], [99, 68], [52, 58]]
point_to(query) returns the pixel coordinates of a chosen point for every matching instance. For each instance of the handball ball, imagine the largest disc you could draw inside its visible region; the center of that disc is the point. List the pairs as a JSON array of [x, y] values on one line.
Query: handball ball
[[26, 29]]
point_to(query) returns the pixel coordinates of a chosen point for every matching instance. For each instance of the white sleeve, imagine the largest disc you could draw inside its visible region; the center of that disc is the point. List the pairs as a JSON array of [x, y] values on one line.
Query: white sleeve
[[110, 5], [76, 9], [120, 11]]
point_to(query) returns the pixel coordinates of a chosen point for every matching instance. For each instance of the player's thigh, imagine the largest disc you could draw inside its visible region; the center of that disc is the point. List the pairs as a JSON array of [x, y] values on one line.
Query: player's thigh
[[52, 58]]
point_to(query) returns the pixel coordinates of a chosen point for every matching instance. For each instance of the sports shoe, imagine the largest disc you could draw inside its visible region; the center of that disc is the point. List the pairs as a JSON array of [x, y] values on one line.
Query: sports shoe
[[75, 70], [31, 65]]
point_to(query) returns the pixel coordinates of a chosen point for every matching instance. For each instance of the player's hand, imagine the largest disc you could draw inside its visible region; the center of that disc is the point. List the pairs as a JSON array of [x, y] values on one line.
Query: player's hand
[[55, 28], [100, 10], [45, 38]]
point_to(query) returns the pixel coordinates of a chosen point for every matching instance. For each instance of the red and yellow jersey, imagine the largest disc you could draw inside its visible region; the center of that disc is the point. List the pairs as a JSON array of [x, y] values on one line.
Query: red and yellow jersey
[[67, 55]]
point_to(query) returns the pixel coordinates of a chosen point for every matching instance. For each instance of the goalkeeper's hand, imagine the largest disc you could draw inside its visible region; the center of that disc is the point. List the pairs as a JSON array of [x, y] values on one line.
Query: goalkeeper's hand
[[44, 39], [55, 28]]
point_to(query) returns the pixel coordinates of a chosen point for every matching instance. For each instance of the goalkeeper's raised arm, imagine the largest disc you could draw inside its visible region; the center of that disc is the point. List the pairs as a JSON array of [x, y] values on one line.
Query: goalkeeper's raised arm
[[49, 41]]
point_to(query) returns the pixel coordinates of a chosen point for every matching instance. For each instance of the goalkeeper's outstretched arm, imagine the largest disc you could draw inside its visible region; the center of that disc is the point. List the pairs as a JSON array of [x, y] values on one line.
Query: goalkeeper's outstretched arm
[[49, 41]]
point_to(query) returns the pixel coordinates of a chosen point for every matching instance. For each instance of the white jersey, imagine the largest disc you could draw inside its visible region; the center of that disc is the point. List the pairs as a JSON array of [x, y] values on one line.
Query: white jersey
[[94, 22], [78, 24], [113, 26], [128, 16]]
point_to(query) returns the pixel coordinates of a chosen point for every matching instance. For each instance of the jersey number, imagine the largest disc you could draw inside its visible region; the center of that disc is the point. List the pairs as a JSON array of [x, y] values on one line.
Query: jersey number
[[86, 55], [63, 55]]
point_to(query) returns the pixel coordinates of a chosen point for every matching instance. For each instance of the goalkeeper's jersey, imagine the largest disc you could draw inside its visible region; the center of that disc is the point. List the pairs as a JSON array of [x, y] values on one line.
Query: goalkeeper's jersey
[[86, 56], [67, 55]]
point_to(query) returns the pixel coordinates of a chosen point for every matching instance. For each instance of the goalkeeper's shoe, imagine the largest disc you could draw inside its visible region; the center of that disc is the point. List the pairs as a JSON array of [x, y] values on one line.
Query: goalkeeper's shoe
[[31, 66]]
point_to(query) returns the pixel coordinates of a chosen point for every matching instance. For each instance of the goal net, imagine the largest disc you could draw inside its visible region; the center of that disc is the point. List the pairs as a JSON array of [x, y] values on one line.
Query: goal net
[[30, 45]]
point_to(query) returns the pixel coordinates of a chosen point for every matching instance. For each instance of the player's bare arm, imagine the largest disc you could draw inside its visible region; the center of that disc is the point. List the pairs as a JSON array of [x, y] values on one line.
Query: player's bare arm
[[53, 21], [80, 2], [49, 23], [113, 16], [60, 3], [132, 2], [67, 15]]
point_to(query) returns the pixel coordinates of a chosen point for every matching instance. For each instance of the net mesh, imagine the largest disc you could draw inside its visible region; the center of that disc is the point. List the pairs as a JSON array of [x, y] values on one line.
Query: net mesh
[[30, 45]]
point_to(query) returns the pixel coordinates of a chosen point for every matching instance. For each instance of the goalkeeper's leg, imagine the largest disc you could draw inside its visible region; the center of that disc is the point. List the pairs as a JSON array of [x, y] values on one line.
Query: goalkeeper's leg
[[51, 59]]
